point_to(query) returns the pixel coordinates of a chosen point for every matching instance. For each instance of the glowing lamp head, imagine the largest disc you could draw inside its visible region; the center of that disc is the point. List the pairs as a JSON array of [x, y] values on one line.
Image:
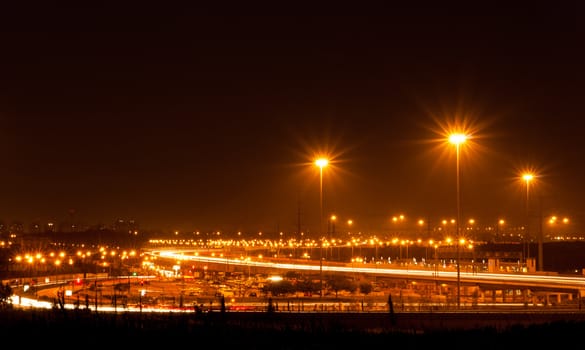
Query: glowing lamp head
[[457, 139], [527, 177], [321, 162]]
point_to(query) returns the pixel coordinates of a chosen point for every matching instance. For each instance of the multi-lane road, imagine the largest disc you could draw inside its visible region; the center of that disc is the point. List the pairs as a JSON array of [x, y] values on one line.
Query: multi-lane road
[[571, 287], [542, 281]]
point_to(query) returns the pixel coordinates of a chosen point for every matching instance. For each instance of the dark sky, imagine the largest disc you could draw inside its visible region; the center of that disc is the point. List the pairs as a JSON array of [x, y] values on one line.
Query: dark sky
[[200, 118]]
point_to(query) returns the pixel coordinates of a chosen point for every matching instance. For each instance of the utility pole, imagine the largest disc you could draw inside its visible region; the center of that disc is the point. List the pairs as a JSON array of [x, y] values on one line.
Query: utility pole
[[298, 235], [540, 237]]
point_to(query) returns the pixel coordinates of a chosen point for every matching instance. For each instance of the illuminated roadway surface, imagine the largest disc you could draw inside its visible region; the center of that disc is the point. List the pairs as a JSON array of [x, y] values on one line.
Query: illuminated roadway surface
[[542, 281], [551, 282]]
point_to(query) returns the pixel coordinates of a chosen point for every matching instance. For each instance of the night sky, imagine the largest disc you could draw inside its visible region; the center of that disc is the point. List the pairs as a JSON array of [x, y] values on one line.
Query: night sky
[[200, 118]]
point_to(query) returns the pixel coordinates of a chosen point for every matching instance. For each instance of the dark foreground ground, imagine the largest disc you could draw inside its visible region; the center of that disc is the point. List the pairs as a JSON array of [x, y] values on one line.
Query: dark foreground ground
[[82, 329]]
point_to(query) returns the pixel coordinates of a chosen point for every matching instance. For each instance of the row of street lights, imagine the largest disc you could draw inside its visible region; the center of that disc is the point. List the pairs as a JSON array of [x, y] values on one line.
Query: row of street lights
[[457, 139]]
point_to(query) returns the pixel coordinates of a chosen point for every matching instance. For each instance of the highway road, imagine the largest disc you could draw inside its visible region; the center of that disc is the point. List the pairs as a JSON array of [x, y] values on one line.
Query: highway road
[[547, 284], [541, 280]]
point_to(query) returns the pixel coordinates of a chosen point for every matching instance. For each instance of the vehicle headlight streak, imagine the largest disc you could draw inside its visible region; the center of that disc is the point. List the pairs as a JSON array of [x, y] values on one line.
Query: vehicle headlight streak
[[549, 281]]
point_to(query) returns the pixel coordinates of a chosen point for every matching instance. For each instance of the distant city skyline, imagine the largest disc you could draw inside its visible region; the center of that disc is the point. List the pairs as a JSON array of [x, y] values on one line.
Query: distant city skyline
[[401, 226]]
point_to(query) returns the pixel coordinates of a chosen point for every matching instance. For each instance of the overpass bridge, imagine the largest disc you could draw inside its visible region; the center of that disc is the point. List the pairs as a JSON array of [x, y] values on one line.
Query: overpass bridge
[[537, 288]]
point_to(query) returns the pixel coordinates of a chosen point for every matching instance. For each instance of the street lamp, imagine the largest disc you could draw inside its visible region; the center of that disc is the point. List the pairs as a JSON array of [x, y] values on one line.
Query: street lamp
[[499, 225], [458, 139], [527, 177], [398, 220], [331, 235], [321, 163], [349, 223]]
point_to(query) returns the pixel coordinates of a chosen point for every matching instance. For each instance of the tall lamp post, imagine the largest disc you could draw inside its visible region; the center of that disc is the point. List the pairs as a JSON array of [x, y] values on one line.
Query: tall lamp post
[[331, 236], [499, 232], [321, 163], [457, 140], [527, 177]]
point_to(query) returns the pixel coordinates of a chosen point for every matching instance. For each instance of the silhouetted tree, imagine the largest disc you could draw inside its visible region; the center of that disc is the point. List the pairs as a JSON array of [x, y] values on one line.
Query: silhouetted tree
[[5, 294], [292, 275], [307, 286], [391, 309], [61, 299], [279, 287], [366, 288], [270, 306], [338, 283]]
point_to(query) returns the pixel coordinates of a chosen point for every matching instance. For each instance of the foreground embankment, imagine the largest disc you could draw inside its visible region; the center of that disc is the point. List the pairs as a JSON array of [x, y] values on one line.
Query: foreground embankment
[[283, 330]]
